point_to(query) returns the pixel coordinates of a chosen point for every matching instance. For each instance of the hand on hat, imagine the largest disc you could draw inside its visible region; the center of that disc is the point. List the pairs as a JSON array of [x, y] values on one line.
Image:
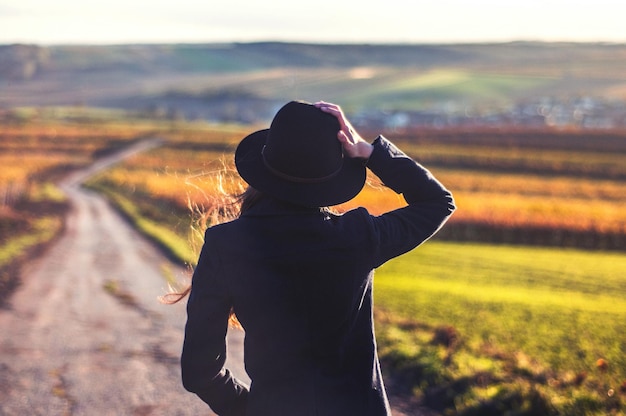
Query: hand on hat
[[353, 144]]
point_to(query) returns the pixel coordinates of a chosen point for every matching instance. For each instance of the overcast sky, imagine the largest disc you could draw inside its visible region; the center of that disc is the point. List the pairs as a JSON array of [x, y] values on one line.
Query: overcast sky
[[361, 21]]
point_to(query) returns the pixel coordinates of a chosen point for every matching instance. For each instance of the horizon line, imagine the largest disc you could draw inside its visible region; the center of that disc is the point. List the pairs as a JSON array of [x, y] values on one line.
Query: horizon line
[[318, 43]]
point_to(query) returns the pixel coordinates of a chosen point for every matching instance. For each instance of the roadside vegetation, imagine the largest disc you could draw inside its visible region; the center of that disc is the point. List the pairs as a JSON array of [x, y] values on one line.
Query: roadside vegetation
[[35, 153], [516, 307]]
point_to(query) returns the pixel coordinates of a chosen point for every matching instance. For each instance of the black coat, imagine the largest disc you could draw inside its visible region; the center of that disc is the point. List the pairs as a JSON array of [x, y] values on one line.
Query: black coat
[[300, 282]]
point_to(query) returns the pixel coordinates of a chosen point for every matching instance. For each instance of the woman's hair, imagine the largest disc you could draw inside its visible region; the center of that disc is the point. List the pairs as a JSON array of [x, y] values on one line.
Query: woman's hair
[[248, 198], [240, 204]]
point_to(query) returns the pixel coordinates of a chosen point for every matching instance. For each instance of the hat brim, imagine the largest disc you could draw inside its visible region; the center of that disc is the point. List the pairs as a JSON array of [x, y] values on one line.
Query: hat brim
[[342, 187]]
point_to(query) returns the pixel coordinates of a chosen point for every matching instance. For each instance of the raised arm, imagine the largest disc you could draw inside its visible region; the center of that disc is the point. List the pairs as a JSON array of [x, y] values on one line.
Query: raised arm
[[430, 204]]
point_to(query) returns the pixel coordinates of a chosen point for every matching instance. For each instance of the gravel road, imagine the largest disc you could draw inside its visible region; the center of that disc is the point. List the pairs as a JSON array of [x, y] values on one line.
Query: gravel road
[[68, 346], [72, 344]]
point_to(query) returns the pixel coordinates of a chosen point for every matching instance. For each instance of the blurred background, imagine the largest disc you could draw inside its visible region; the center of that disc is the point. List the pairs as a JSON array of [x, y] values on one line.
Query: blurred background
[[519, 108], [445, 63]]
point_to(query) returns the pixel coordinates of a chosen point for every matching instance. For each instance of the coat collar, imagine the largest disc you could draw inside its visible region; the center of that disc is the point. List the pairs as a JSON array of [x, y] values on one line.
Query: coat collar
[[271, 206]]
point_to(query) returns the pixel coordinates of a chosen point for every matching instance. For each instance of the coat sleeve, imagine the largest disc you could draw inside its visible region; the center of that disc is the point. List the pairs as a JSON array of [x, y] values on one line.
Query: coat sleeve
[[430, 204], [204, 348]]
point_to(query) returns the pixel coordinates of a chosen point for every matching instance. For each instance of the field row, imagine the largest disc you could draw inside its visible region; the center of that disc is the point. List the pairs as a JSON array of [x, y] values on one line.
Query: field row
[[195, 162], [497, 160], [181, 175]]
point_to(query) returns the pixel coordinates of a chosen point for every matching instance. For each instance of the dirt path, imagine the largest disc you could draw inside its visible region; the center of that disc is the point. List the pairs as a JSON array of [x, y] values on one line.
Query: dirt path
[[70, 347]]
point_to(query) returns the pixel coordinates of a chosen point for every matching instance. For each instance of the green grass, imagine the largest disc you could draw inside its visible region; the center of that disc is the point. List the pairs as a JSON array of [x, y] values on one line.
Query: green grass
[[173, 243], [39, 223], [562, 309], [506, 294], [15, 250], [419, 90], [41, 231], [446, 84]]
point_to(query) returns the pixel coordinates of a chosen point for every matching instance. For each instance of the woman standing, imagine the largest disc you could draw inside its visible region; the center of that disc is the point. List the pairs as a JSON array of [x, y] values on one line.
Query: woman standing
[[300, 277]]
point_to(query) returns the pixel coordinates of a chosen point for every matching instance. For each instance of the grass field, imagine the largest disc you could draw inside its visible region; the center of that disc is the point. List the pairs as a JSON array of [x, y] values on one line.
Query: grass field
[[531, 317]]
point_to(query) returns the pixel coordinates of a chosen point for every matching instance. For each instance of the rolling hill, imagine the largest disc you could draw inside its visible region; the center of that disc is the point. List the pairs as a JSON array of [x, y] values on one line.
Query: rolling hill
[[245, 81]]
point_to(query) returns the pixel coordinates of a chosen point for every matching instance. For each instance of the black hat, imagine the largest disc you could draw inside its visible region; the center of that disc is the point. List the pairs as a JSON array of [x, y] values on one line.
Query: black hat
[[299, 159]]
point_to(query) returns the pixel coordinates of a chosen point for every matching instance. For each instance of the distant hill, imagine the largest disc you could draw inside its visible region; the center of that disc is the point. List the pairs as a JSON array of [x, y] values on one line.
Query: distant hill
[[215, 80], [21, 62]]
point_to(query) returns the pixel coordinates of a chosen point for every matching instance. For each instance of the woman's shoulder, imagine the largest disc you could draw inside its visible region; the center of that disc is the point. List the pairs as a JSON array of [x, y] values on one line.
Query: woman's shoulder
[[222, 227], [358, 218]]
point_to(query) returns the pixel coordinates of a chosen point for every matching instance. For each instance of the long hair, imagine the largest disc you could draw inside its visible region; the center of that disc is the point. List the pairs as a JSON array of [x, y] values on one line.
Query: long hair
[[240, 203]]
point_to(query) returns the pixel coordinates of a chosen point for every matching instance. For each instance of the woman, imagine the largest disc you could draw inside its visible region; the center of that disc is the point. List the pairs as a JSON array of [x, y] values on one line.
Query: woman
[[299, 277]]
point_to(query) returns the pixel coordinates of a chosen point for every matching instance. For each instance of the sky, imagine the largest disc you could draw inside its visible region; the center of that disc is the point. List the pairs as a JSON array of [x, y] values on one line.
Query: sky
[[349, 21]]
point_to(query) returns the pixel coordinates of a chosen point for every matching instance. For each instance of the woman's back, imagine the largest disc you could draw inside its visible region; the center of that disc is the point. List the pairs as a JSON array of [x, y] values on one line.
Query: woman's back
[[300, 281], [301, 286]]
